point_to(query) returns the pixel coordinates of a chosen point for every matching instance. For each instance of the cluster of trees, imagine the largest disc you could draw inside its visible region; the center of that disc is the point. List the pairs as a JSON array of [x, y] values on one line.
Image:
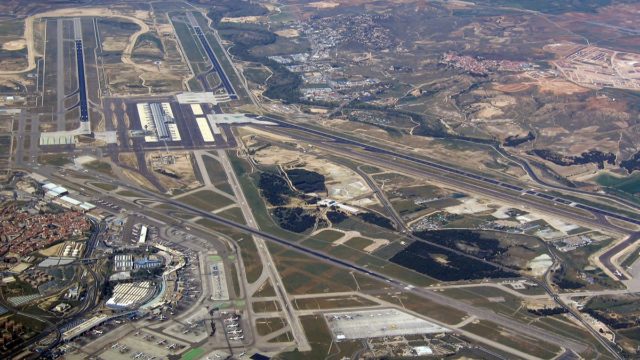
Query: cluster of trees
[[446, 265], [232, 8], [591, 156], [561, 280], [548, 311], [274, 189], [294, 219], [614, 322], [515, 140], [336, 217], [376, 219], [284, 84], [306, 181], [632, 163], [469, 241]]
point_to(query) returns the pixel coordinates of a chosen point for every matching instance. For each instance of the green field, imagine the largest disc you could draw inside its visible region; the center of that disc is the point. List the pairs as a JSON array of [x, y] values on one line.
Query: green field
[[629, 184], [104, 186], [206, 200], [54, 159], [216, 173], [233, 214], [99, 166], [496, 333], [329, 235], [193, 354], [192, 48], [358, 243], [269, 325], [321, 341]]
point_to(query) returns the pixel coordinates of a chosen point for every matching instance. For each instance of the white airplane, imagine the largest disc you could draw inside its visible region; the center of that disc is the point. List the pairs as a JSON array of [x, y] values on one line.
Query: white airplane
[[237, 338], [161, 342], [114, 346], [171, 347], [232, 326], [235, 332], [138, 355]]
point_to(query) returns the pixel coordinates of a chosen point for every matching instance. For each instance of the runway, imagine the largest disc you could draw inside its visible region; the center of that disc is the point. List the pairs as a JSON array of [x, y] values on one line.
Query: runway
[[452, 170], [527, 330]]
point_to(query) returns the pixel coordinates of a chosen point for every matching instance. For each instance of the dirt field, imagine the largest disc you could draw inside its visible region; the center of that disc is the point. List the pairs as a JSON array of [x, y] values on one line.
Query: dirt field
[[288, 33], [559, 87], [74, 12], [178, 169], [14, 45], [342, 183], [512, 88], [323, 5]]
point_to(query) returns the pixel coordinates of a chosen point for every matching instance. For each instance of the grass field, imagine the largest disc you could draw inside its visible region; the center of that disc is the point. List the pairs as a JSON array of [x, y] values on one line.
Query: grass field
[[265, 306], [331, 302], [99, 166], [193, 50], [206, 200], [104, 186], [321, 341], [268, 325], [193, 354], [629, 184], [265, 290], [128, 193], [54, 159], [215, 171], [233, 214], [235, 279], [527, 345], [328, 235], [445, 314], [358, 243]]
